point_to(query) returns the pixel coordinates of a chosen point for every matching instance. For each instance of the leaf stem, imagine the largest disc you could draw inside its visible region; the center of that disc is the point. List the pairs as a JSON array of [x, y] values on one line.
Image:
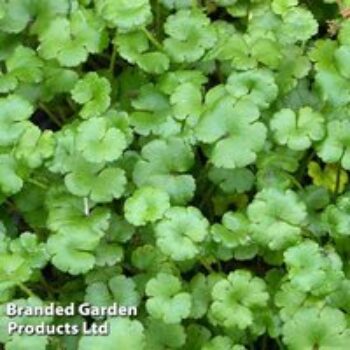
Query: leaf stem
[[61, 113], [48, 288], [264, 343], [207, 266], [158, 18], [337, 182], [86, 206], [152, 39], [70, 7], [294, 181], [25, 289], [113, 59], [279, 343], [57, 343], [303, 165], [11, 205], [50, 114], [211, 189], [37, 183], [218, 263], [71, 104]]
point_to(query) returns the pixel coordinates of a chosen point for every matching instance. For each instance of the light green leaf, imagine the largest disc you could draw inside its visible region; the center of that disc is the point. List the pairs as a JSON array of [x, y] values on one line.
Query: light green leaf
[[190, 35], [153, 62], [297, 130], [16, 14], [277, 218], [236, 129], [14, 114], [10, 181], [160, 335], [342, 58], [26, 342], [313, 269], [98, 142], [336, 217], [180, 233], [280, 7], [312, 327], [93, 92], [163, 165], [118, 289], [100, 184], [166, 300], [71, 40], [35, 146], [298, 25], [336, 146], [256, 85], [147, 204], [232, 180], [128, 334], [124, 14], [241, 292], [24, 65]]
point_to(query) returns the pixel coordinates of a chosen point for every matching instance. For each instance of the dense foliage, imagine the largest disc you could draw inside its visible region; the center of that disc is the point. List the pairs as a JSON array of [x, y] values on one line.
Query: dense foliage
[[187, 157]]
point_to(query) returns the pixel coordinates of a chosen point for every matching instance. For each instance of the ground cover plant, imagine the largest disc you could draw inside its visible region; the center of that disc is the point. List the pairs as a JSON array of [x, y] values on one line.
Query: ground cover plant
[[186, 157]]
